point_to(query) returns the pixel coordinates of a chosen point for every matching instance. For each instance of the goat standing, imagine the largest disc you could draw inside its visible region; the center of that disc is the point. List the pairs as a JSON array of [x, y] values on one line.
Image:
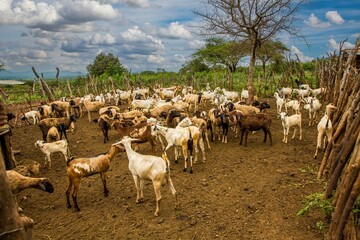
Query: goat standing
[[155, 168]]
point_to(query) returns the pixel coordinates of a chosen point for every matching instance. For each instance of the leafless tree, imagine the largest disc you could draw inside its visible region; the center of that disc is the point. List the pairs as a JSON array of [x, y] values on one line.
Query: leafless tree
[[254, 20]]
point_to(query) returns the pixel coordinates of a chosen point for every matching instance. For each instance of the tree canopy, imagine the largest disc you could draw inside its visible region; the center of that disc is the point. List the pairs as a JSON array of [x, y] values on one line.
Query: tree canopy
[[254, 21], [106, 64], [221, 51], [194, 65]]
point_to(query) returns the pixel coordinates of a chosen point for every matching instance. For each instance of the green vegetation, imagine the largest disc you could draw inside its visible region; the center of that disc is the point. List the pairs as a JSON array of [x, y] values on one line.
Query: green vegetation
[[106, 64], [316, 200]]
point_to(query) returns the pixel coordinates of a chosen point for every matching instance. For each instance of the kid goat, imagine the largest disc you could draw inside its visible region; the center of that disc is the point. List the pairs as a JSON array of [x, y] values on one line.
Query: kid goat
[[288, 122], [53, 147], [155, 168]]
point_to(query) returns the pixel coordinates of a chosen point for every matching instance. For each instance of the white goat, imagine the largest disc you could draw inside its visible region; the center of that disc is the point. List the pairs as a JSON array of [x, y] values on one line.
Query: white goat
[[294, 104], [288, 122], [244, 95], [325, 128], [318, 91], [143, 104], [302, 92], [155, 168], [54, 147], [231, 95], [313, 106], [279, 102], [285, 92], [186, 138], [192, 99], [35, 115]]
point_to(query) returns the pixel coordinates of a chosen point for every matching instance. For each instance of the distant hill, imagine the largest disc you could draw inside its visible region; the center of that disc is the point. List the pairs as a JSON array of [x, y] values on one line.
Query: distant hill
[[4, 75]]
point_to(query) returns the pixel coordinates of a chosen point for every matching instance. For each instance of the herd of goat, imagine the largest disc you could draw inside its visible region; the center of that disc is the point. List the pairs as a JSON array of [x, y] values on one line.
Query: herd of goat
[[168, 117]]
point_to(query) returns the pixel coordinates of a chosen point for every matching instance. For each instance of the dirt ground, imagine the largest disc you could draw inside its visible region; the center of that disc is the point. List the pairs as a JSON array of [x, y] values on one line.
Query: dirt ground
[[251, 192]]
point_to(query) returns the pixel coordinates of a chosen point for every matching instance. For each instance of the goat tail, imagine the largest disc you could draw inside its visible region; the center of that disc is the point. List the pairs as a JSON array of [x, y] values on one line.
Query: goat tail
[[199, 98], [167, 162], [190, 143], [209, 127]]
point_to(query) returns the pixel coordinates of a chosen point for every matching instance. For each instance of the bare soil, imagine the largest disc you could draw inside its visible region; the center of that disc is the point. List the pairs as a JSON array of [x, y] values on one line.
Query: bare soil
[[251, 192]]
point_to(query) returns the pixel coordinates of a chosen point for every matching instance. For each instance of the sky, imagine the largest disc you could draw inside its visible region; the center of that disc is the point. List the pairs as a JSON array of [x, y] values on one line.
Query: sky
[[144, 34]]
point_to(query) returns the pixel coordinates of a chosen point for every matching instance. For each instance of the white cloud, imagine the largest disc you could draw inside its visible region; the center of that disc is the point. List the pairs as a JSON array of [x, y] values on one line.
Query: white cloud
[[196, 44], [155, 59], [60, 15], [334, 17], [138, 3], [335, 46], [313, 21], [99, 39], [43, 42], [137, 42], [175, 31], [25, 54], [355, 35], [301, 55], [86, 10]]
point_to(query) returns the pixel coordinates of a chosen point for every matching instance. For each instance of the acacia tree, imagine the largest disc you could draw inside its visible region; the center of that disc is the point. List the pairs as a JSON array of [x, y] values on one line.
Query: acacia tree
[[194, 65], [271, 52], [105, 63], [220, 51], [256, 21]]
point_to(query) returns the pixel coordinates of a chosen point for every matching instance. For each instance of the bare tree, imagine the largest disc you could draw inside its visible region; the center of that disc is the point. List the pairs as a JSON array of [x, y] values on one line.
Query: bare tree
[[256, 21]]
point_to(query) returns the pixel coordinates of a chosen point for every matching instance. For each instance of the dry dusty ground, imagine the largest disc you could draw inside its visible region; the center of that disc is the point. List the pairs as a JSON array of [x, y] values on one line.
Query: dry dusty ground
[[239, 193]]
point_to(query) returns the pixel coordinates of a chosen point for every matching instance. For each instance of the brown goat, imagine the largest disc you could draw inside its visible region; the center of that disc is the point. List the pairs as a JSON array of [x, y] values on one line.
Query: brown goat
[[254, 122], [61, 123], [142, 132], [84, 167]]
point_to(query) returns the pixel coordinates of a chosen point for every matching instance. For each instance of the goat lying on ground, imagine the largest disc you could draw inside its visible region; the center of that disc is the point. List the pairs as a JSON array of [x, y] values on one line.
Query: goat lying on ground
[[54, 147], [288, 122], [27, 168], [155, 168], [254, 122], [84, 167], [325, 128], [19, 182]]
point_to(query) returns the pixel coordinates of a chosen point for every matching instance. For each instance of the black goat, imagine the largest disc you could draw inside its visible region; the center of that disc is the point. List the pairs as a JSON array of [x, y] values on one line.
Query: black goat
[[224, 123], [104, 124]]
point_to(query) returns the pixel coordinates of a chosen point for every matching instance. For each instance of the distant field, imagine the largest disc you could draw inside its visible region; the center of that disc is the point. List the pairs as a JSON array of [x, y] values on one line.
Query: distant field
[[10, 82]]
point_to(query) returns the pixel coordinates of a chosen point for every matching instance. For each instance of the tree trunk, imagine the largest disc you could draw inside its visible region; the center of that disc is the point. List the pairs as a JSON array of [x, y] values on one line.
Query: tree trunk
[[69, 87], [251, 88], [57, 75]]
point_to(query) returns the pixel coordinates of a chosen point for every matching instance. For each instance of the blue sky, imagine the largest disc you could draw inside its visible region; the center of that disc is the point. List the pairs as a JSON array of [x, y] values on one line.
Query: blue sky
[[144, 34]]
